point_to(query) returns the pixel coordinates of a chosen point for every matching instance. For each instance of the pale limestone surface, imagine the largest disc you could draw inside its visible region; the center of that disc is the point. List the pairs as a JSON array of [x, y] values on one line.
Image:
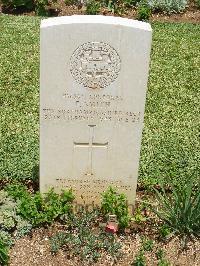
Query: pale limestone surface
[[93, 81]]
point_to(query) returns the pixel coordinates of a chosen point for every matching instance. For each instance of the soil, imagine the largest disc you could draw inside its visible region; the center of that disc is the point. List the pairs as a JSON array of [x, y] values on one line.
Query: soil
[[191, 14], [35, 250]]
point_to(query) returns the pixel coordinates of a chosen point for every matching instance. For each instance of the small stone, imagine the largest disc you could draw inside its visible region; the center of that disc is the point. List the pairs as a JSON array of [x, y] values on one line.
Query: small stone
[[127, 230]]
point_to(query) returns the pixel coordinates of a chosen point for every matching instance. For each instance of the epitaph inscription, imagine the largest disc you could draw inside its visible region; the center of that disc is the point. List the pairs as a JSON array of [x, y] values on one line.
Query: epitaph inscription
[[95, 65], [94, 187]]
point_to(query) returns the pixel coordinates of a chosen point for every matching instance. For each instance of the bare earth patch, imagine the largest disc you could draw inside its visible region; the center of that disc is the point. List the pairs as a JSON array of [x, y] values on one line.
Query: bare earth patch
[[35, 250]]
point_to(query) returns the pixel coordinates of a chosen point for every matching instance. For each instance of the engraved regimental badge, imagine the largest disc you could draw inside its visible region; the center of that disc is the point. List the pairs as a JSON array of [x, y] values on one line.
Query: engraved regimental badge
[[95, 65]]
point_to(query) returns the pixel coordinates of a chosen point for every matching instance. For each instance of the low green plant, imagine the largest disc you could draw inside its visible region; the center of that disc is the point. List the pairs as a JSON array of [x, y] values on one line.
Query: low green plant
[[138, 216], [143, 11], [58, 241], [85, 240], [92, 7], [161, 258], [160, 253], [147, 244], [140, 259], [38, 208], [115, 203], [12, 225], [130, 3], [40, 6], [17, 190], [114, 6], [10, 220], [70, 2], [165, 230], [180, 210], [29, 4], [7, 211], [6, 238], [163, 262], [3, 253], [198, 3], [168, 6]]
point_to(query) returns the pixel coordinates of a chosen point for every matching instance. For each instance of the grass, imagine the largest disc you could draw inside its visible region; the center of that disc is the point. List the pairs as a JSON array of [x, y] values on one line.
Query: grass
[[19, 94], [170, 145]]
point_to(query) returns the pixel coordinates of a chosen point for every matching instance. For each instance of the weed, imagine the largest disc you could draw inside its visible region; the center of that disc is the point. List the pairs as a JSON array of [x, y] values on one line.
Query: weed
[[115, 203], [17, 190], [57, 241], [130, 3], [165, 230], [92, 7], [70, 2], [161, 260], [180, 211], [143, 11], [38, 209], [84, 240], [29, 4], [6, 238], [138, 216], [168, 6], [3, 253], [140, 259], [12, 226], [10, 220], [160, 254], [113, 5], [38, 5], [147, 244]]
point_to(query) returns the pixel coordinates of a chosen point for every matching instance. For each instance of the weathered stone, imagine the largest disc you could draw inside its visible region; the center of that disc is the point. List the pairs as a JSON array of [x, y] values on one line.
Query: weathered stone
[[94, 72]]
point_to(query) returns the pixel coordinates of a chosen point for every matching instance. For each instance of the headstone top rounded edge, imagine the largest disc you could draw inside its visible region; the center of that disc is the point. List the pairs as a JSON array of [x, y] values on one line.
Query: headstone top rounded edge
[[95, 19]]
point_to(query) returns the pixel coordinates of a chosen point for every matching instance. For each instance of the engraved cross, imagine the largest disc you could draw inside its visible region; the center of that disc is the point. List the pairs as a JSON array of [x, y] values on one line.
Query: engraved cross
[[90, 145]]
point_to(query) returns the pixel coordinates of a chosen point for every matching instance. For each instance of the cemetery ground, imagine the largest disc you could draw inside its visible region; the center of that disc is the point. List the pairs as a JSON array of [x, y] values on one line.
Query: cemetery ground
[[45, 232]]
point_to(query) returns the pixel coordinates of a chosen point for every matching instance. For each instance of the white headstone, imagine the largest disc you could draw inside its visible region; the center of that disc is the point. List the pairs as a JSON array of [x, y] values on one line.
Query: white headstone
[[94, 72]]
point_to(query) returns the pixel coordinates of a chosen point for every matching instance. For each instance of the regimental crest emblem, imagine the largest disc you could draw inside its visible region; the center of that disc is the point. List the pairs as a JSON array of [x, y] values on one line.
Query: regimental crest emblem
[[95, 65]]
